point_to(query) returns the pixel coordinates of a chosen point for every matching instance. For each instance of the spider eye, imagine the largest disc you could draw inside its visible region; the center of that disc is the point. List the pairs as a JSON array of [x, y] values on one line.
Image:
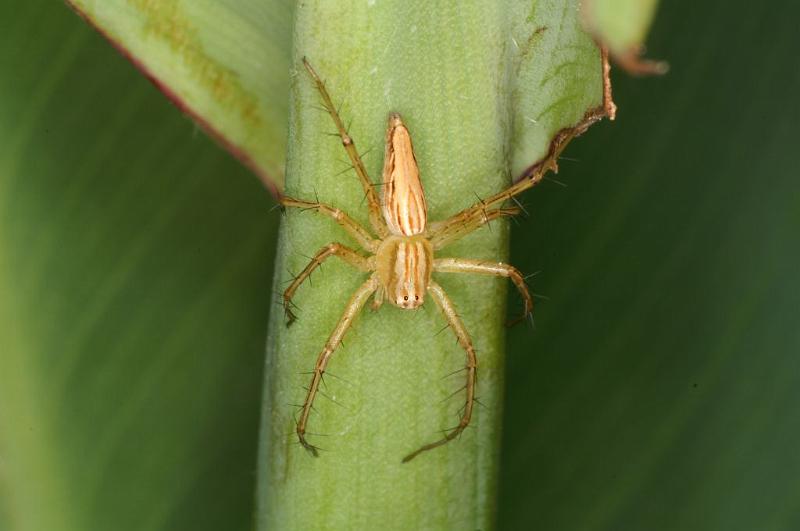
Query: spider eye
[[416, 297], [405, 298]]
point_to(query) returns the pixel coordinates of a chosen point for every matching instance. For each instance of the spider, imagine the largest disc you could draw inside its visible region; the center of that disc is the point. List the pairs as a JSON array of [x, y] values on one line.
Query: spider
[[402, 258]]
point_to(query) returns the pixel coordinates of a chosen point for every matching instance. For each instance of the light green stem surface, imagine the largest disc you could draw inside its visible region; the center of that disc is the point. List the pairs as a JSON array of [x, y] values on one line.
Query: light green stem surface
[[389, 375], [451, 72]]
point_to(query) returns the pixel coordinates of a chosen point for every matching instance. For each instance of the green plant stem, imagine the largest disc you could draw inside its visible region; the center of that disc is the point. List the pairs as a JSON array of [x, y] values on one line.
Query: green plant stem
[[443, 75], [463, 77]]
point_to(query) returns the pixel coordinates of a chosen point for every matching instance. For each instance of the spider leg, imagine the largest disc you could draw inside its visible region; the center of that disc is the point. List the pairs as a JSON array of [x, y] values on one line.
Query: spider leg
[[332, 249], [377, 300], [499, 269], [353, 308], [359, 233], [484, 206], [375, 216], [449, 311], [450, 231]]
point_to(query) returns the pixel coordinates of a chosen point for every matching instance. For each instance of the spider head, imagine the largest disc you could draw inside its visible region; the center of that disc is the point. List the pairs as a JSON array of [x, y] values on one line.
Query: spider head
[[409, 300], [404, 268]]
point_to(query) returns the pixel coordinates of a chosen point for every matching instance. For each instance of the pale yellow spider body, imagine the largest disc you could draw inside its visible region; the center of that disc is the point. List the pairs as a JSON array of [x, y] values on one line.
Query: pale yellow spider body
[[404, 265], [401, 261]]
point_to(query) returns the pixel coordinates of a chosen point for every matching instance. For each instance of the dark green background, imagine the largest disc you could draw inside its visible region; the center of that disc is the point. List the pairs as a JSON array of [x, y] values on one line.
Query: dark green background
[[142, 256], [660, 388]]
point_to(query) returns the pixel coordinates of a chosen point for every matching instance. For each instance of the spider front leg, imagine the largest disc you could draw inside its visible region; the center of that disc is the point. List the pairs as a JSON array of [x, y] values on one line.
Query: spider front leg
[[355, 230], [449, 311], [377, 300], [375, 216], [353, 308], [498, 269], [332, 249]]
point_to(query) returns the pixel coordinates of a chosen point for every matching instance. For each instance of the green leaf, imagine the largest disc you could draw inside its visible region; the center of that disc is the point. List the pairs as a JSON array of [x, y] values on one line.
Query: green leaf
[[555, 88], [622, 26], [462, 76], [134, 262], [225, 62]]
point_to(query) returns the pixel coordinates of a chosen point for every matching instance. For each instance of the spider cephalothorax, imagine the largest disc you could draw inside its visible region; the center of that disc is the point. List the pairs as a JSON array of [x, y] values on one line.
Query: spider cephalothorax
[[402, 257]]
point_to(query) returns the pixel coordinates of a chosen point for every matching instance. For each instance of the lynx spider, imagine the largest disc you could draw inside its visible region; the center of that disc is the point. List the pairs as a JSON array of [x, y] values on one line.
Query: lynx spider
[[402, 257]]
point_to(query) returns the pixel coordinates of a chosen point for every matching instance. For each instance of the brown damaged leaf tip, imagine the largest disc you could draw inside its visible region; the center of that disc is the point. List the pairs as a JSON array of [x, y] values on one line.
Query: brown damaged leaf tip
[[633, 63], [607, 109]]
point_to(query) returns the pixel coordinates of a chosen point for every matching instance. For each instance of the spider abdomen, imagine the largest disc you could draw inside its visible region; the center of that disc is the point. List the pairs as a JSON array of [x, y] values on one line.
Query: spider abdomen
[[404, 267], [404, 207]]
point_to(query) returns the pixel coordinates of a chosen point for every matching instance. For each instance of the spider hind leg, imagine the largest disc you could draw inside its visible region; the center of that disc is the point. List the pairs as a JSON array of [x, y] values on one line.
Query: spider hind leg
[[375, 216]]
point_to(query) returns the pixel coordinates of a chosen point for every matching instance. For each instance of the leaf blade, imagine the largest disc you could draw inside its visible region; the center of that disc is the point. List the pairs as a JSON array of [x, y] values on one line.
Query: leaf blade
[[225, 63]]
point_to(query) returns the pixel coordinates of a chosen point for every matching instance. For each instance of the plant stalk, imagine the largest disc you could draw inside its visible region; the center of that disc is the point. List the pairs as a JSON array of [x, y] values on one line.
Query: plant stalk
[[444, 68]]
